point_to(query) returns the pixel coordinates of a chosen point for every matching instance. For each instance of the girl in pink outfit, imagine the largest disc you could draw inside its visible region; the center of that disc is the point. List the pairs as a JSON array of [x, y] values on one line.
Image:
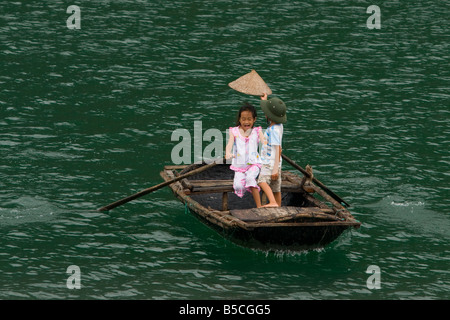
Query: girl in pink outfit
[[242, 147]]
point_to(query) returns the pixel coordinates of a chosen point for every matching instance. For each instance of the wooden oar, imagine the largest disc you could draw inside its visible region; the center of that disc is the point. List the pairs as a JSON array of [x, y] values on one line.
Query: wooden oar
[[159, 186], [317, 182]]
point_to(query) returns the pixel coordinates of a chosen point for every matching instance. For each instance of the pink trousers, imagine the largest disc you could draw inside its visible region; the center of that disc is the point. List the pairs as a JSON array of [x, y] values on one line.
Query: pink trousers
[[243, 181]]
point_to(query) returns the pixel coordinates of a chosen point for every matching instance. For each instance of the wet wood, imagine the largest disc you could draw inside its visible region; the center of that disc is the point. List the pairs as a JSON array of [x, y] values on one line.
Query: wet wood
[[175, 167], [303, 224], [225, 201], [184, 182], [220, 186], [282, 214], [308, 217], [316, 181]]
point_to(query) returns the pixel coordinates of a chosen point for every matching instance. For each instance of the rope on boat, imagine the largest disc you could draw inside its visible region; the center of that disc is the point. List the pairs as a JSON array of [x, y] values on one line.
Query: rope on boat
[[338, 211]]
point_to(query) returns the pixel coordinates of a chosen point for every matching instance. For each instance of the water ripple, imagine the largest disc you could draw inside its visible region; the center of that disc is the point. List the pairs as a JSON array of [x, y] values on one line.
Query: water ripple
[[87, 117]]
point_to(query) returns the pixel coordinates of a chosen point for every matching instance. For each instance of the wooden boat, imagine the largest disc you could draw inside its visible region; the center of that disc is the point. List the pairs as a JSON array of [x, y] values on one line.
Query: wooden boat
[[308, 218]]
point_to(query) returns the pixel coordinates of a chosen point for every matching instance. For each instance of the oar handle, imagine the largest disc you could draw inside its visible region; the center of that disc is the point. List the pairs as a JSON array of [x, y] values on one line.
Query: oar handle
[[158, 186]]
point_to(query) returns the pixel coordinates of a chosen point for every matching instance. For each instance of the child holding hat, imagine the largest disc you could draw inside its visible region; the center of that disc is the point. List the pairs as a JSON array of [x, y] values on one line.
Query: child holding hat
[[270, 176]]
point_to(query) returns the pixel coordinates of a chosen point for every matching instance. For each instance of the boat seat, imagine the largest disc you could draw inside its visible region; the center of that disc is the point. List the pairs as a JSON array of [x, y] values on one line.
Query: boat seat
[[220, 186], [226, 186]]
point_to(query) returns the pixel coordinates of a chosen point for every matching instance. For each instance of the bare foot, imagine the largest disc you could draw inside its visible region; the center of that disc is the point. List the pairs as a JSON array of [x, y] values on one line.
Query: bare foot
[[270, 205]]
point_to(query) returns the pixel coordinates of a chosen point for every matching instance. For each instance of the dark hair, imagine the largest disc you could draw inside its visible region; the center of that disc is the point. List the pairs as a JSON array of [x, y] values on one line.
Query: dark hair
[[245, 107]]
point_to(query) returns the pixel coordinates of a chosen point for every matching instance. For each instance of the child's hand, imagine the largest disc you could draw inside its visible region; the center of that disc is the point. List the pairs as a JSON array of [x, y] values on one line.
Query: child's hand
[[264, 96], [274, 176], [229, 155]]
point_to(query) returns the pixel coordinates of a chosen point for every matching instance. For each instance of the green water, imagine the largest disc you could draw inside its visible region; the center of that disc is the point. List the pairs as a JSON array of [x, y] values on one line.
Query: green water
[[86, 118]]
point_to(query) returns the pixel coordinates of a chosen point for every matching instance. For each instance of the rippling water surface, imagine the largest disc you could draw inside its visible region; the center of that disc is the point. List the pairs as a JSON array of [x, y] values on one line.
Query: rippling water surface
[[87, 117]]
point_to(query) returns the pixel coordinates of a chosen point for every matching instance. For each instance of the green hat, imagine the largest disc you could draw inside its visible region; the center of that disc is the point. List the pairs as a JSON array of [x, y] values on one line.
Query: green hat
[[274, 109]]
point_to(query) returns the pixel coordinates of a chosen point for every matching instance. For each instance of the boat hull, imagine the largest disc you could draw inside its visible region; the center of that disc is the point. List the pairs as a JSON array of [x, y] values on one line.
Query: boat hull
[[279, 238], [302, 223]]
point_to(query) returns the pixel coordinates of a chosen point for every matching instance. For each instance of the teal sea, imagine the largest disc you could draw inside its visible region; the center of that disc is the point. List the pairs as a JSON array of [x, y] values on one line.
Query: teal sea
[[86, 118]]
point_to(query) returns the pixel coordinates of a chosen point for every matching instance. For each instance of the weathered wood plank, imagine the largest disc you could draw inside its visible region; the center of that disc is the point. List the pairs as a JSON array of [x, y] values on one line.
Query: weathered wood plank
[[282, 214], [220, 186], [225, 201], [175, 167]]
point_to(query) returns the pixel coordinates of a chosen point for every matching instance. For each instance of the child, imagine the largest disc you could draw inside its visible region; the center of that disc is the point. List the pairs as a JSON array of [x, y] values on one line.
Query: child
[[270, 177], [246, 161]]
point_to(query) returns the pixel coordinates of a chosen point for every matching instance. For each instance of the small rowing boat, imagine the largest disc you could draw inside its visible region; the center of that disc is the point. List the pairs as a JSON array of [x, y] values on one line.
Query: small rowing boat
[[308, 218]]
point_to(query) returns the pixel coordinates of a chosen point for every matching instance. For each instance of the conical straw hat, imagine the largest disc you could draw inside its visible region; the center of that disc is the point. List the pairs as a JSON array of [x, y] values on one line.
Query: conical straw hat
[[252, 84]]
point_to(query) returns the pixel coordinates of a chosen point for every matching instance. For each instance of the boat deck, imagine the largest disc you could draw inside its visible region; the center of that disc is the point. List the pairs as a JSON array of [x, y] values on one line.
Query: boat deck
[[215, 192]]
